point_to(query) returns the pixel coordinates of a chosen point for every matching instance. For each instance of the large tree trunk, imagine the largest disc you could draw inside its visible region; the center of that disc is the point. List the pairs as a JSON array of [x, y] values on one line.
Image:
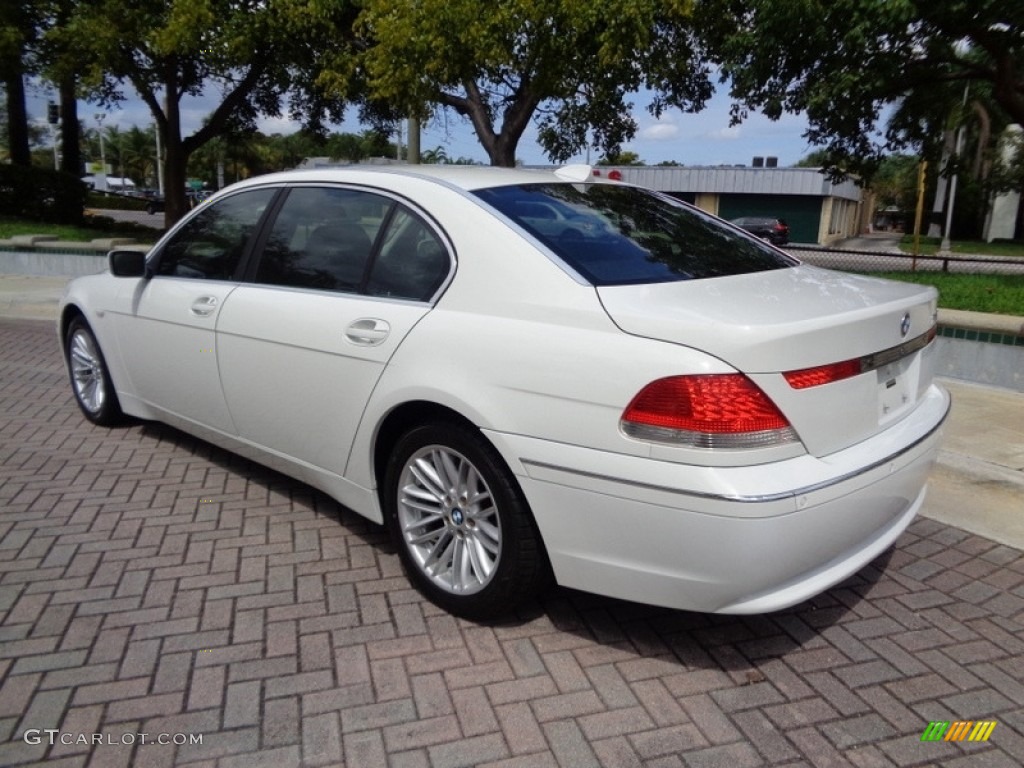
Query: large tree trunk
[[17, 116], [70, 139], [981, 165], [175, 159], [502, 152]]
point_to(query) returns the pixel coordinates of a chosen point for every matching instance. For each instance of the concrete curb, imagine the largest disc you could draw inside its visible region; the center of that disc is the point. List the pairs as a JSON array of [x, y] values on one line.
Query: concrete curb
[[979, 321]]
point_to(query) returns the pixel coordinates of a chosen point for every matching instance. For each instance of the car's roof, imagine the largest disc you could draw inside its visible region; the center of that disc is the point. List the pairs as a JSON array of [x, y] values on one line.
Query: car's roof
[[467, 177]]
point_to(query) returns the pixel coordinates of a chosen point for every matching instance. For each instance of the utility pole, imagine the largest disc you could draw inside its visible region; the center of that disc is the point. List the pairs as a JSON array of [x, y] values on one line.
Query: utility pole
[[412, 153], [919, 212], [101, 177], [945, 246]]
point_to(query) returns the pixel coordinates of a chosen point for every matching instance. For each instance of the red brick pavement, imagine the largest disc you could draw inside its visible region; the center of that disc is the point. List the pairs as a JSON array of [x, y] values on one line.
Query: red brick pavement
[[279, 627]]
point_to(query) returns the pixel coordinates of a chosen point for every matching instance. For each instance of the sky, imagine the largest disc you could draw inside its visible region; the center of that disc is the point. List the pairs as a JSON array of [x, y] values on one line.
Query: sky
[[705, 138]]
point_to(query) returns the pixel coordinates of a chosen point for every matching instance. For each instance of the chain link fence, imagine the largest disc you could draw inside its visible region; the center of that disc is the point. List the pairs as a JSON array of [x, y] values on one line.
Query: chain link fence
[[896, 261]]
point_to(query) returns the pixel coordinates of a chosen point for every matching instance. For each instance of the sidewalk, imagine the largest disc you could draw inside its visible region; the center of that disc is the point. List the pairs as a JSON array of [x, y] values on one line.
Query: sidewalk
[[978, 484], [30, 296]]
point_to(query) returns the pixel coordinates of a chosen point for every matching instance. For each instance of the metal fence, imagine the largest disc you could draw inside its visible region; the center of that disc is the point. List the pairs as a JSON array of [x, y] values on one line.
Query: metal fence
[[894, 261]]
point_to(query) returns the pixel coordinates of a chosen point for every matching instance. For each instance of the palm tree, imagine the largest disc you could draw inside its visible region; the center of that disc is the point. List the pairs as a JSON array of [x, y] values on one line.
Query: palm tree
[[139, 151], [436, 155]]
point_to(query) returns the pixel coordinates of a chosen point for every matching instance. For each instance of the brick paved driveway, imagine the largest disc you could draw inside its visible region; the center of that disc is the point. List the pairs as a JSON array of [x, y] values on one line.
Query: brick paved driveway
[[150, 583]]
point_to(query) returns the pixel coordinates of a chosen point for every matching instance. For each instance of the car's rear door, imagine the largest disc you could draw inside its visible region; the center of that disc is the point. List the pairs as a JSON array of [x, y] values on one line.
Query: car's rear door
[[343, 277]]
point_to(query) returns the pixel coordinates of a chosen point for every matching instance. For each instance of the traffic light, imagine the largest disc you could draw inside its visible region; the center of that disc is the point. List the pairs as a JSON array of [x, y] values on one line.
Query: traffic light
[[52, 113]]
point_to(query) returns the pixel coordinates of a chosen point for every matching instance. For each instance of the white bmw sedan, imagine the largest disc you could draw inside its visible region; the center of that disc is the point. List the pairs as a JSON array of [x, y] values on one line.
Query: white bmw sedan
[[526, 374]]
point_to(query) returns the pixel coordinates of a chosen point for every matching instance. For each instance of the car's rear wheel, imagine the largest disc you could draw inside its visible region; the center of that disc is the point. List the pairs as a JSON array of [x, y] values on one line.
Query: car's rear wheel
[[459, 520], [90, 380]]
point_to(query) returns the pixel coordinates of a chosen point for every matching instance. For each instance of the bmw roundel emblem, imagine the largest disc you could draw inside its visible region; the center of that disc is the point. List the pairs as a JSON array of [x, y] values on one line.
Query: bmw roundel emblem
[[905, 324]]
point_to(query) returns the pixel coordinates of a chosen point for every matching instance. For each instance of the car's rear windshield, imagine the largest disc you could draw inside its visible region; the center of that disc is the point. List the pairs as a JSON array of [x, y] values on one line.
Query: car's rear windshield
[[621, 235]]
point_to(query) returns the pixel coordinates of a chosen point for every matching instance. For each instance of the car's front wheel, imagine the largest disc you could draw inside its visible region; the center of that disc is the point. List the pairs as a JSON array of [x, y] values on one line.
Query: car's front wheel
[[459, 520], [90, 380]]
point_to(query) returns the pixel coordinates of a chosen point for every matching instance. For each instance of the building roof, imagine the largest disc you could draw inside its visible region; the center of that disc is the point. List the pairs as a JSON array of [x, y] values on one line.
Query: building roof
[[738, 180]]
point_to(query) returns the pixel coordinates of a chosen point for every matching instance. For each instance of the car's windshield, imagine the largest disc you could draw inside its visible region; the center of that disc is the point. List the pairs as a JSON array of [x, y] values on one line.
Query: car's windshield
[[618, 235]]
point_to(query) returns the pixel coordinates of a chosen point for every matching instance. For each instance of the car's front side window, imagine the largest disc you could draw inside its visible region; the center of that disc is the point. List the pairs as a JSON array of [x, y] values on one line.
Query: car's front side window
[[210, 245]]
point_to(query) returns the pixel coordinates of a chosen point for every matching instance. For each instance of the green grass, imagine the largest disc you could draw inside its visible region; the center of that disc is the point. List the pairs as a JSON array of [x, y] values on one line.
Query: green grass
[[930, 245], [102, 227], [999, 294]]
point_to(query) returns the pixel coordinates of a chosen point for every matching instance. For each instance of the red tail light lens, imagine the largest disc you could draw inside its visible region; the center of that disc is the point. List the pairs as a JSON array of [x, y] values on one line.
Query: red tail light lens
[[823, 374], [706, 411]]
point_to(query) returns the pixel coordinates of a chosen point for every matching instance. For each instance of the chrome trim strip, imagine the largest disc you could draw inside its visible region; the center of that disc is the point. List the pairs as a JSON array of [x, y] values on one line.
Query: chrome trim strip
[[878, 359], [750, 499]]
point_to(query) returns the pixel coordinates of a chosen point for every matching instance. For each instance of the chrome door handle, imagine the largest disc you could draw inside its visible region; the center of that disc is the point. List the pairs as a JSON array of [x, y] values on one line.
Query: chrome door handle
[[204, 306], [367, 332]]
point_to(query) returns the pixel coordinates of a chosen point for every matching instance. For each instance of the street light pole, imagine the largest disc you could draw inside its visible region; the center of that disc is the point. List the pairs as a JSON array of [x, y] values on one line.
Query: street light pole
[[102, 175], [159, 161]]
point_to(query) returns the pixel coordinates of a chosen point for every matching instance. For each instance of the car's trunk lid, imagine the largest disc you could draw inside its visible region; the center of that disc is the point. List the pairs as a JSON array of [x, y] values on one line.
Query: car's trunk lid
[[767, 323]]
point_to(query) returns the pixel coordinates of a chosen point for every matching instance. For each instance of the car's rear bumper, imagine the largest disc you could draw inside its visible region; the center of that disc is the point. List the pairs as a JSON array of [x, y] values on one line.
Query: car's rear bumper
[[728, 540]]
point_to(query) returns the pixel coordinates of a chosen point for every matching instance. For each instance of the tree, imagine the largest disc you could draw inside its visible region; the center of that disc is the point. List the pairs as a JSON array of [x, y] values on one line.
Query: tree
[[846, 62], [895, 183], [819, 158], [434, 156], [251, 53], [566, 65], [17, 28], [621, 158]]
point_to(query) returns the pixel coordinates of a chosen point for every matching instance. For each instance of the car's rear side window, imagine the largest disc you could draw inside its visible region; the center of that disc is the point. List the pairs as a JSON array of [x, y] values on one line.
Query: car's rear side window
[[619, 235], [352, 241]]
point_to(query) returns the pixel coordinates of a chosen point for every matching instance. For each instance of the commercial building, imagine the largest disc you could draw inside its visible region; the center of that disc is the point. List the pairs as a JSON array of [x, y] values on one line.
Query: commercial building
[[817, 210]]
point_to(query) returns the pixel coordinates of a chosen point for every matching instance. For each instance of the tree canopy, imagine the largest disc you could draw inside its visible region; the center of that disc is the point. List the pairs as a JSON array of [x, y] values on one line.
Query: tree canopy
[[567, 65], [849, 63], [250, 53]]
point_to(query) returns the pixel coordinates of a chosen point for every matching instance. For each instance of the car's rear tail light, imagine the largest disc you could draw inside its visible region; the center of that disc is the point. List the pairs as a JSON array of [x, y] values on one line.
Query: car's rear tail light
[[826, 374], [823, 374], [706, 411]]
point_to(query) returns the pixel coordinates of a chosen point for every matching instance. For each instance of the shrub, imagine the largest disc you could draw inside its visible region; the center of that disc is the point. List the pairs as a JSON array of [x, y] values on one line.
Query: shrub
[[113, 201], [41, 194]]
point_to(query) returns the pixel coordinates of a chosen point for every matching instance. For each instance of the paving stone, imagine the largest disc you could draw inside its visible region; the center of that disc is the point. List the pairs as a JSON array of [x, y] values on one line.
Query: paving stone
[[281, 628], [520, 728], [569, 745]]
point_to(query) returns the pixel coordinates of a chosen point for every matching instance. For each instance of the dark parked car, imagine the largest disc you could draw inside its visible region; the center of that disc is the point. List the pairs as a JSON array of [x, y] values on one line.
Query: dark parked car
[[775, 231], [156, 204]]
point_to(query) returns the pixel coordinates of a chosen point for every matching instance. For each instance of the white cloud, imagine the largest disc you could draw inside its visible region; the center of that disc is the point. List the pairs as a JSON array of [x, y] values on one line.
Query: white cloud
[[729, 133], [662, 130]]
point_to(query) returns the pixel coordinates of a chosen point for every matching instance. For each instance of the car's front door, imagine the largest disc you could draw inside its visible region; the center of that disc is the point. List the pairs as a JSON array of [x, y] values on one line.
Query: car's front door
[[344, 276], [167, 327]]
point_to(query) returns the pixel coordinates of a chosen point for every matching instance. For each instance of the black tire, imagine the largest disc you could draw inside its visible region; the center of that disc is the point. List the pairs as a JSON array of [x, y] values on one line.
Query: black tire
[[90, 380], [490, 530]]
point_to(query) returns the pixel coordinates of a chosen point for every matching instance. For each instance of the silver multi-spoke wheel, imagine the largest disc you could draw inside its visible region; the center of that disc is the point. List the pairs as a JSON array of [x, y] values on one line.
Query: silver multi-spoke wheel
[[90, 380], [87, 371], [449, 520], [459, 520]]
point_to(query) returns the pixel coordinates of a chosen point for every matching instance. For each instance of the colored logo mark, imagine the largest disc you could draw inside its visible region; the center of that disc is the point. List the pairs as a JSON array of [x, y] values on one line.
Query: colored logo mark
[[959, 730]]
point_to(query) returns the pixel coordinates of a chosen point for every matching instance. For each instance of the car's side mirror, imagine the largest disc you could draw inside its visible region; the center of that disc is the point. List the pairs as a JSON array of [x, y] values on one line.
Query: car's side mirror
[[127, 263]]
